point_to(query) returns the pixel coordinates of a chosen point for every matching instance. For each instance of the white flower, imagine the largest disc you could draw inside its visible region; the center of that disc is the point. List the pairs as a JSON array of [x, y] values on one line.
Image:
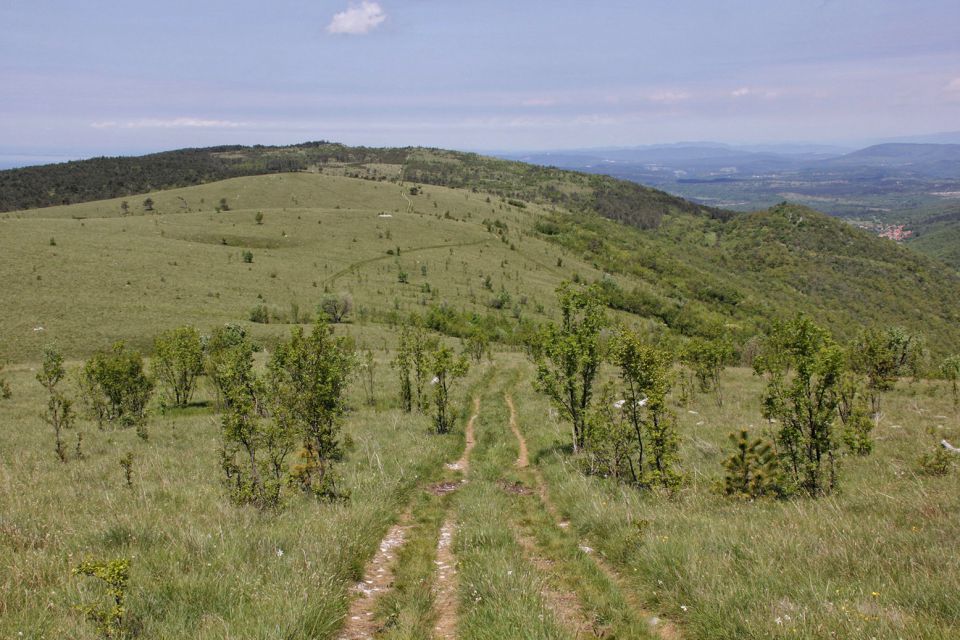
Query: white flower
[[435, 380], [779, 620], [619, 404], [279, 553], [684, 607], [643, 402]]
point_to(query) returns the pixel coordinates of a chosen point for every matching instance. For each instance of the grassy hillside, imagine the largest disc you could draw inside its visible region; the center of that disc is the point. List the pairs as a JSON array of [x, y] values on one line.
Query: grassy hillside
[[87, 274]]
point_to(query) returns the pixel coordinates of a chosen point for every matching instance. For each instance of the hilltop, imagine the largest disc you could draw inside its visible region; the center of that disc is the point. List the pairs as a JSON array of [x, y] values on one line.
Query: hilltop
[[474, 237]]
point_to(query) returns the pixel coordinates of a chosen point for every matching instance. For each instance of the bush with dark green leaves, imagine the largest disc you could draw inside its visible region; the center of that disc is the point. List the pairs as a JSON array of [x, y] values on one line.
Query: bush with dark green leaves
[[752, 470], [178, 362], [115, 386]]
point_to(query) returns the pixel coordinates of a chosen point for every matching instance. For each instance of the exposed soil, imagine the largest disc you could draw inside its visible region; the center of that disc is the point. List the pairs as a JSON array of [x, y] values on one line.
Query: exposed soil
[[463, 464], [377, 579], [443, 488], [515, 488], [523, 460], [445, 585]]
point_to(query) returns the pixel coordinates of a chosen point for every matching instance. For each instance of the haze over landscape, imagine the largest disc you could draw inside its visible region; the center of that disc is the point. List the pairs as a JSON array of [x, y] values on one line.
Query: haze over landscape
[[423, 319]]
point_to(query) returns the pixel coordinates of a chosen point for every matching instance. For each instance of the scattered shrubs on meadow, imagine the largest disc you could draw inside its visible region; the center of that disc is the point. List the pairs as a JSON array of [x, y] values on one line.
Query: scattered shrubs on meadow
[[178, 362], [59, 412], [115, 387], [446, 368], [937, 462], [110, 618]]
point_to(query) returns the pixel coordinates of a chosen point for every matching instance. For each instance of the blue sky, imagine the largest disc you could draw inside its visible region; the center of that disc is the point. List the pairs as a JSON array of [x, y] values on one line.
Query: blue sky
[[110, 77]]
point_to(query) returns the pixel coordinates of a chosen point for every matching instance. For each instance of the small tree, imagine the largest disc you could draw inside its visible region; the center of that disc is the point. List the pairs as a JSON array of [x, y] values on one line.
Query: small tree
[[751, 471], [115, 386], [216, 348], [59, 413], [258, 218], [403, 362], [645, 373], [125, 207], [421, 345], [253, 453], [178, 362], [248, 257], [950, 370], [148, 204], [610, 445], [882, 356], [477, 344], [307, 379], [115, 575], [706, 359], [367, 368], [445, 368], [336, 308], [854, 414], [224, 206], [568, 355], [803, 368]]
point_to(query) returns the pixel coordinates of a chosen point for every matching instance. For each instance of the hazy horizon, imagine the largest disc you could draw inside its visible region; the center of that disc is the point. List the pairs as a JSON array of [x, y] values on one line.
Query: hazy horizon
[[493, 76]]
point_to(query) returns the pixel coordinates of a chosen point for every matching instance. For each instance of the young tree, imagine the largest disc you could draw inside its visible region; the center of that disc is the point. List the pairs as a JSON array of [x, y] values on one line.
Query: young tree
[[217, 347], [853, 413], [148, 204], [803, 367], [307, 379], [477, 344], [445, 368], [610, 444], [568, 355], [258, 218], [367, 368], [59, 413], [336, 308], [115, 386], [403, 362], [254, 449], [125, 207], [645, 373], [950, 370], [751, 471], [706, 359], [115, 575], [883, 355], [178, 362], [421, 347]]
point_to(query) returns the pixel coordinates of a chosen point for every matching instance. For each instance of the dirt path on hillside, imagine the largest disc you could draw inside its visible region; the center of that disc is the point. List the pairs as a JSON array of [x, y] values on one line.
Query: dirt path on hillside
[[523, 460], [377, 579], [664, 629], [446, 584]]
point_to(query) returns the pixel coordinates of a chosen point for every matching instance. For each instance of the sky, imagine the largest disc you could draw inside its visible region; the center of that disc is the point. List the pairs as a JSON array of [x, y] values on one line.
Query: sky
[[109, 77]]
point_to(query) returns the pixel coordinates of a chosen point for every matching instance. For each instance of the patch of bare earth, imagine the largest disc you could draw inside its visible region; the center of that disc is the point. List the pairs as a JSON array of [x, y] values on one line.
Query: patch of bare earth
[[445, 585], [377, 579], [463, 464]]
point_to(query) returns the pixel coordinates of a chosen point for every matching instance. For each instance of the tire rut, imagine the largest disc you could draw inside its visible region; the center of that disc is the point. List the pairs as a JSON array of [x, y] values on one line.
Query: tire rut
[[662, 628], [446, 583]]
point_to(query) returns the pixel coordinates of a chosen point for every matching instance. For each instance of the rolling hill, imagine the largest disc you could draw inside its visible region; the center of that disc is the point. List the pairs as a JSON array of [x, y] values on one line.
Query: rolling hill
[[476, 239]]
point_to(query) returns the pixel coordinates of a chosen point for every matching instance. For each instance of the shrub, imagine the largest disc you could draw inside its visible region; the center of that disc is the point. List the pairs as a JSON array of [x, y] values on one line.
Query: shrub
[[217, 347], [336, 308], [59, 412], [115, 574], [803, 367], [445, 369], [260, 314], [248, 256], [5, 392], [115, 386], [178, 361], [938, 462]]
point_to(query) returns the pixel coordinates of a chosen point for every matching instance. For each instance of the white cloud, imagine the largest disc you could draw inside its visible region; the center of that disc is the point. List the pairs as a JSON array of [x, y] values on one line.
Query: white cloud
[[357, 19], [739, 93], [669, 97], [170, 123], [953, 85]]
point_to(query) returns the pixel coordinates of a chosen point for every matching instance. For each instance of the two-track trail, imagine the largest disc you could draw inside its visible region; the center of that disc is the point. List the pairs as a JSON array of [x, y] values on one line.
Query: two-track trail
[[574, 617], [377, 579], [446, 583], [379, 573]]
